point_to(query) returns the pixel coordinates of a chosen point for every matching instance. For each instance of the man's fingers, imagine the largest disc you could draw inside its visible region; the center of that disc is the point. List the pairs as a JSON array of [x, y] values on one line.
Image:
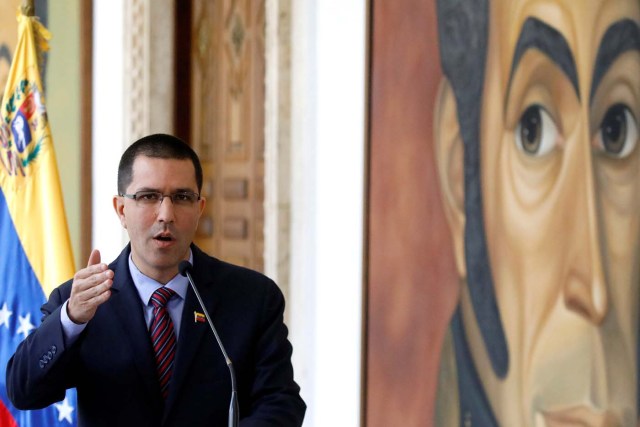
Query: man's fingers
[[84, 302], [99, 298], [91, 287], [86, 281], [97, 287], [94, 258], [92, 270]]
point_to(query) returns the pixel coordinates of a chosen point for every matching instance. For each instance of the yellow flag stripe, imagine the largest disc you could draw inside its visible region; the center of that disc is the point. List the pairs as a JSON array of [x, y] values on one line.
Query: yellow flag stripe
[[28, 173]]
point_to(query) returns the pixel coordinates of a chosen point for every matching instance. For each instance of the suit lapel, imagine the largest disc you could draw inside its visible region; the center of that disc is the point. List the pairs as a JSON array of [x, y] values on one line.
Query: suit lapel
[[126, 306], [192, 332]]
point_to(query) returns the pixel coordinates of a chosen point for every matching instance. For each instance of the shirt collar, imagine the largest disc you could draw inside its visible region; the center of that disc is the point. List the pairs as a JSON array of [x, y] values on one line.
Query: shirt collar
[[146, 286]]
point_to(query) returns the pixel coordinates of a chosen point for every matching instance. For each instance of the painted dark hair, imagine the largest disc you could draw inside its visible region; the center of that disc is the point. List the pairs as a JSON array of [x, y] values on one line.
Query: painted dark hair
[[160, 146], [463, 31]]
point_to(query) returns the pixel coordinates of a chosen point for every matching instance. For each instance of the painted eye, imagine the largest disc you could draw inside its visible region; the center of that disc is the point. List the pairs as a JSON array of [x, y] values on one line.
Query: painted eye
[[618, 132], [536, 134]]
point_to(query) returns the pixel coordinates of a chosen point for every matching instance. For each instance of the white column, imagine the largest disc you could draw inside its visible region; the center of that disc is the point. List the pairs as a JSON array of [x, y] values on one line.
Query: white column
[[133, 84], [328, 157], [108, 124], [277, 204]]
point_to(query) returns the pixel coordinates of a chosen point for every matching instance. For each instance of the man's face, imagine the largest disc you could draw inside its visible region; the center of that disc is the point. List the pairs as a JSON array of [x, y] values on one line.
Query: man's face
[[560, 174], [160, 233]]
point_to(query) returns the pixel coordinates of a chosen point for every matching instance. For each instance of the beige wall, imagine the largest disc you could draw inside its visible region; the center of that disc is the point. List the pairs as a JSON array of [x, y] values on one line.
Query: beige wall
[[63, 106]]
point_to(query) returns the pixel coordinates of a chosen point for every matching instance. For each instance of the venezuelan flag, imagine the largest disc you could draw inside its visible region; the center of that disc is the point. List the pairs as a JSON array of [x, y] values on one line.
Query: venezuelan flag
[[35, 251]]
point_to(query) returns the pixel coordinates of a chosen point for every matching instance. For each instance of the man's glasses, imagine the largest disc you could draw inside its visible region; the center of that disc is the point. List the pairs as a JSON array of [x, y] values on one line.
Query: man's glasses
[[153, 198]]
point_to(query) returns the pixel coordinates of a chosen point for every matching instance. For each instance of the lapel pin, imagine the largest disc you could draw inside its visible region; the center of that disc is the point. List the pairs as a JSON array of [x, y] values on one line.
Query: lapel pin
[[198, 317]]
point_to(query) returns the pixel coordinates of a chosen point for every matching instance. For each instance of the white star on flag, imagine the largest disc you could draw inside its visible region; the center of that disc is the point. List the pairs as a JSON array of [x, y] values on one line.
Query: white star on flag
[[64, 410], [5, 314], [25, 325]]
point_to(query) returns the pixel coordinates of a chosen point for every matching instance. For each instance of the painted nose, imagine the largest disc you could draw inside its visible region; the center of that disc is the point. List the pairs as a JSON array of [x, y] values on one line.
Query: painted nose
[[585, 288]]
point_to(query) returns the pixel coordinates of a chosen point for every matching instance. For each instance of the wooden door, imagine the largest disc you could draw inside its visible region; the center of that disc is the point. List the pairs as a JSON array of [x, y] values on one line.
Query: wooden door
[[227, 125]]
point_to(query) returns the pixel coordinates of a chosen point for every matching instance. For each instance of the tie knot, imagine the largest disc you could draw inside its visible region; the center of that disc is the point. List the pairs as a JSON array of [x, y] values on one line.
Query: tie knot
[[160, 297]]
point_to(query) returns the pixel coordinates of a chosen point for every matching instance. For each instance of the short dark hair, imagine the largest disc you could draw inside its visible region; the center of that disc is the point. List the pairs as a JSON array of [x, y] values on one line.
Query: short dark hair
[[159, 146]]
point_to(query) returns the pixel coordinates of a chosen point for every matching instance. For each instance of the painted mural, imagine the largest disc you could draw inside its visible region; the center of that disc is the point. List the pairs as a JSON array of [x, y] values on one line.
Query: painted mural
[[8, 38], [536, 147], [9, 34]]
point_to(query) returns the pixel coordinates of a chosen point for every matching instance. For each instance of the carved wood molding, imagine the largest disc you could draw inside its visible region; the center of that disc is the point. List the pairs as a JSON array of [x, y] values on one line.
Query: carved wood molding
[[148, 68]]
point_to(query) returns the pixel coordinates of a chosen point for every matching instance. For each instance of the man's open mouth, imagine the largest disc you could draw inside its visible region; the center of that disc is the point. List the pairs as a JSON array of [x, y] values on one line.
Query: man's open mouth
[[164, 237]]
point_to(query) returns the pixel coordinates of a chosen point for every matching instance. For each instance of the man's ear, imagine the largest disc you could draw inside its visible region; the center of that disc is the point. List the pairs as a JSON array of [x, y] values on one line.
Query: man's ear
[[449, 153], [118, 206], [201, 204]]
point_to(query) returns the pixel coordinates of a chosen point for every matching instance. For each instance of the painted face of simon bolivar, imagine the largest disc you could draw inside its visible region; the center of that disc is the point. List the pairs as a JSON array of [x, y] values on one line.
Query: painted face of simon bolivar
[[539, 165]]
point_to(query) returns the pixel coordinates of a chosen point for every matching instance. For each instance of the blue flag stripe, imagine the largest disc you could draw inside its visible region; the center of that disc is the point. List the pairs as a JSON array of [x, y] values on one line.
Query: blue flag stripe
[[23, 296]]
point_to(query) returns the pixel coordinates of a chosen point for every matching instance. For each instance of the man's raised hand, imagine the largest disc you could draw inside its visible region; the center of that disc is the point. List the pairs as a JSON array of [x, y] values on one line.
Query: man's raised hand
[[91, 287]]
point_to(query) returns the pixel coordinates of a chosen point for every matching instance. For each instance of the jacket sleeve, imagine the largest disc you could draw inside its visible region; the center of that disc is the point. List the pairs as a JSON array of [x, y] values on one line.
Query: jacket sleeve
[[275, 397], [39, 373]]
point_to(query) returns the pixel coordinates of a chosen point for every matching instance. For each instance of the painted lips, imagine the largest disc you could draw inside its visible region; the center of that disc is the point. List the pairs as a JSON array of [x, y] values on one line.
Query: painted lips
[[580, 416]]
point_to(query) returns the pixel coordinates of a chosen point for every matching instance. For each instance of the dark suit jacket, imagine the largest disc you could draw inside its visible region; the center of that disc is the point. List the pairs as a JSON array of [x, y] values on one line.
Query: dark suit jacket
[[113, 368]]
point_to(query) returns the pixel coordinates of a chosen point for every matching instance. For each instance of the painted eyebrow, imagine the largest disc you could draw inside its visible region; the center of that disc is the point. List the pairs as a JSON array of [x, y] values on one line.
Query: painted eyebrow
[[622, 36], [538, 35]]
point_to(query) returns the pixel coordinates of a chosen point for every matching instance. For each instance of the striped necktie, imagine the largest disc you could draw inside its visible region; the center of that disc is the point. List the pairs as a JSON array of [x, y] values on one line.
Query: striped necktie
[[163, 337]]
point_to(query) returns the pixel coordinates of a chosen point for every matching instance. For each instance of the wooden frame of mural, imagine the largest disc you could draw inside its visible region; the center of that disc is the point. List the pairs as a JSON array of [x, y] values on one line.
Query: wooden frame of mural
[[412, 282]]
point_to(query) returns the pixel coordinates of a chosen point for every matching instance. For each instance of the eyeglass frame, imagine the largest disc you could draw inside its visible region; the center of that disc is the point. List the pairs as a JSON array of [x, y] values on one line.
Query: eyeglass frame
[[136, 197]]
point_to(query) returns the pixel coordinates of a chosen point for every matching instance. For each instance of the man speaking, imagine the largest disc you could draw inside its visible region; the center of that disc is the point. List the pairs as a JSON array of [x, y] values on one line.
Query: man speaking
[[132, 338]]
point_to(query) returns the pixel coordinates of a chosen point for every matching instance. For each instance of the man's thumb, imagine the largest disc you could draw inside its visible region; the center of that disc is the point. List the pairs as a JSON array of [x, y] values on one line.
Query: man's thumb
[[94, 258]]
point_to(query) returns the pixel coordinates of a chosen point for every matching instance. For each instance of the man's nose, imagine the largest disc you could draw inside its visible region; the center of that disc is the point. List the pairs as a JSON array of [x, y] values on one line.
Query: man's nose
[[166, 209], [585, 287]]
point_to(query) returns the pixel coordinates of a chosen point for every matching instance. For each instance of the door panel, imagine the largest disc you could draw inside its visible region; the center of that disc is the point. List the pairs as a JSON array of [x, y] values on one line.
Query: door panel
[[227, 126]]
